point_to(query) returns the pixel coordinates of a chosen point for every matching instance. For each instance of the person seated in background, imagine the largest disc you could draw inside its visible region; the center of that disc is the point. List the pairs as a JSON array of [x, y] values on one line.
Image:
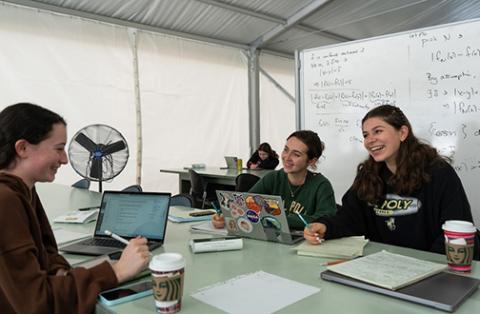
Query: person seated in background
[[304, 192], [402, 193], [263, 158], [34, 276]]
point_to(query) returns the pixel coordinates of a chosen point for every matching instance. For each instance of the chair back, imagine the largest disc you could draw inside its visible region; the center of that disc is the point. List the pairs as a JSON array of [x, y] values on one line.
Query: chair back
[[133, 188], [197, 183], [181, 200], [245, 181], [82, 184], [198, 188]]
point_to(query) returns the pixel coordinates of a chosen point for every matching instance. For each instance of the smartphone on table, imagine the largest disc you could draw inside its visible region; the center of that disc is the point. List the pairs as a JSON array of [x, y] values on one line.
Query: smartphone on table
[[126, 293]]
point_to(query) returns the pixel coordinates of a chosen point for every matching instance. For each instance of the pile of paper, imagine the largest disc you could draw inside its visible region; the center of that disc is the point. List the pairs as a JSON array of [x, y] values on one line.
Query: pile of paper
[[344, 248], [208, 228], [77, 217]]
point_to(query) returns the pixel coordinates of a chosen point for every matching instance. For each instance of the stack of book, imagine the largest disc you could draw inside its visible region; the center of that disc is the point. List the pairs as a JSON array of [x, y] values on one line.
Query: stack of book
[[344, 248], [405, 278]]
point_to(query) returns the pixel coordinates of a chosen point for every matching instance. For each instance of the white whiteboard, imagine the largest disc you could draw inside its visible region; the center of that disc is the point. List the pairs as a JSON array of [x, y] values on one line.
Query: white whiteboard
[[432, 74]]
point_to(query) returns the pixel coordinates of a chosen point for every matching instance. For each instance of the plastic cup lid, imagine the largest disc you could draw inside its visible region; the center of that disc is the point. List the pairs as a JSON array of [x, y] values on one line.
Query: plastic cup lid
[[167, 262], [459, 226]]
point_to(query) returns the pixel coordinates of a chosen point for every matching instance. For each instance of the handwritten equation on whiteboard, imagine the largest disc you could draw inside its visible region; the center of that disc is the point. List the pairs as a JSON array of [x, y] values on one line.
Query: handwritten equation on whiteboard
[[432, 74]]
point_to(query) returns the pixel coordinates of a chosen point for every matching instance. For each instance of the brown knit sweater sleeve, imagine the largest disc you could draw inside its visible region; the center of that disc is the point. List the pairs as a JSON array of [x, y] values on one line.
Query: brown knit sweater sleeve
[[27, 280]]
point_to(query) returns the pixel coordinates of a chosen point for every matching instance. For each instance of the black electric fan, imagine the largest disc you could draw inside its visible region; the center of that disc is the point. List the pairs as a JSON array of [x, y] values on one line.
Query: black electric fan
[[98, 152]]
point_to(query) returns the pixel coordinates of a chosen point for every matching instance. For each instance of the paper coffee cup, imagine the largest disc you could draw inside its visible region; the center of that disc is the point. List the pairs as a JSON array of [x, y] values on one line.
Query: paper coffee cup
[[459, 244], [168, 270]]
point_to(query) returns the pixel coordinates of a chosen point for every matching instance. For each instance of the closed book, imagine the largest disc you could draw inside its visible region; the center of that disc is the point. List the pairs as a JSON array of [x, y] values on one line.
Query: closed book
[[344, 248]]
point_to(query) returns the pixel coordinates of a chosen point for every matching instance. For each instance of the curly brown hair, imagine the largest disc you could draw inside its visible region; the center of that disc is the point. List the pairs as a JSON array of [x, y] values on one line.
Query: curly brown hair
[[413, 160]]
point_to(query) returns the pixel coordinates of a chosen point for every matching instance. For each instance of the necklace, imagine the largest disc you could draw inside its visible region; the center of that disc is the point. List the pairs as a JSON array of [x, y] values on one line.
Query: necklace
[[292, 192]]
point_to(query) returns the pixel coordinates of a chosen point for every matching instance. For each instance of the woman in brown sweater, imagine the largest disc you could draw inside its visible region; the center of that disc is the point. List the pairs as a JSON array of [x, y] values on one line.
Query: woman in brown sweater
[[34, 277]]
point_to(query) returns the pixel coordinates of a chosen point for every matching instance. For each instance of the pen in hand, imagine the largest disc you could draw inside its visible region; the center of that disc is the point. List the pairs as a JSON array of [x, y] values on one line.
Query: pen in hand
[[307, 225], [119, 238], [116, 237]]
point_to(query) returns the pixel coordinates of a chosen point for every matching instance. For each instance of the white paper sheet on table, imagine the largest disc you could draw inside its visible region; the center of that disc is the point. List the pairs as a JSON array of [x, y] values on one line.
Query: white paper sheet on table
[[63, 236], [258, 292]]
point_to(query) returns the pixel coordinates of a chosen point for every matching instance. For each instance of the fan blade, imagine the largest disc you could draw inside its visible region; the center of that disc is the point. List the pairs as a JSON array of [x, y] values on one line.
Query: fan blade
[[96, 169], [113, 148], [87, 143]]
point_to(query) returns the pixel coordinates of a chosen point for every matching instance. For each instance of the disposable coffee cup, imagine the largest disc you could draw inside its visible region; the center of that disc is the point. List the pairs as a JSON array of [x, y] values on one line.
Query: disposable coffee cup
[[459, 244], [168, 270]]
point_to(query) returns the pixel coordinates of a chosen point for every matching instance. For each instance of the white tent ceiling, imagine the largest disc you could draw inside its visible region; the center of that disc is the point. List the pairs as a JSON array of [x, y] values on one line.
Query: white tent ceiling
[[275, 26]]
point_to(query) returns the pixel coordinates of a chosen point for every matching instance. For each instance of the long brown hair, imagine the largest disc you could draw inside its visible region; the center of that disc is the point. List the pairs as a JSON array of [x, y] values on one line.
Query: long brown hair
[[413, 160], [265, 147]]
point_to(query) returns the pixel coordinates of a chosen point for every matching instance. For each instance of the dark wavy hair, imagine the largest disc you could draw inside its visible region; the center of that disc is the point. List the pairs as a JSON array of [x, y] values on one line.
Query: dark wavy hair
[[265, 147], [312, 140], [413, 160], [24, 121]]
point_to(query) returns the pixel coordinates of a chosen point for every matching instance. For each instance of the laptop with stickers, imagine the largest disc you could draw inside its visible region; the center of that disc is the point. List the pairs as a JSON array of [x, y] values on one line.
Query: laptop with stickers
[[256, 216]]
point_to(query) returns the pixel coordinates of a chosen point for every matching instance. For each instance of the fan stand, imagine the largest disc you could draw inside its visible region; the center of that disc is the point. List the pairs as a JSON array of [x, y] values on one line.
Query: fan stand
[[99, 179]]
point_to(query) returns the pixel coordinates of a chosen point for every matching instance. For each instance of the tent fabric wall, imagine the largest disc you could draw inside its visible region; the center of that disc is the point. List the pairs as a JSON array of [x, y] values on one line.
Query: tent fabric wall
[[194, 105], [194, 95], [78, 68]]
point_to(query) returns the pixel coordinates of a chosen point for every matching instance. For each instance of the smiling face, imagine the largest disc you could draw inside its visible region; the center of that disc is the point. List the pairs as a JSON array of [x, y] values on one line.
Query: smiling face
[[382, 140], [294, 157], [40, 162]]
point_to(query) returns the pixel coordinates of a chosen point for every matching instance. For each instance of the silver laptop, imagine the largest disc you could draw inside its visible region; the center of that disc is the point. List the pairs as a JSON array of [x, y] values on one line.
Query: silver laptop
[[231, 162], [256, 216], [128, 214]]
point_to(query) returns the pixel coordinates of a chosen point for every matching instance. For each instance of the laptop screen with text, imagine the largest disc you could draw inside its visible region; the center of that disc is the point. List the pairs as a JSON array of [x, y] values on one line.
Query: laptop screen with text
[[130, 214]]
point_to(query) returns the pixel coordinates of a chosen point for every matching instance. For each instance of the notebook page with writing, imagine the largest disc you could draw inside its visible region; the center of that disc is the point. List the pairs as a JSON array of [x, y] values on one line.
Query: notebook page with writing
[[388, 270]]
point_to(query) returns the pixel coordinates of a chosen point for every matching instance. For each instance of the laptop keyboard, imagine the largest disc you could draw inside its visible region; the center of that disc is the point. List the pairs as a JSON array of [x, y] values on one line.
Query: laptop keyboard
[[104, 242], [112, 243]]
